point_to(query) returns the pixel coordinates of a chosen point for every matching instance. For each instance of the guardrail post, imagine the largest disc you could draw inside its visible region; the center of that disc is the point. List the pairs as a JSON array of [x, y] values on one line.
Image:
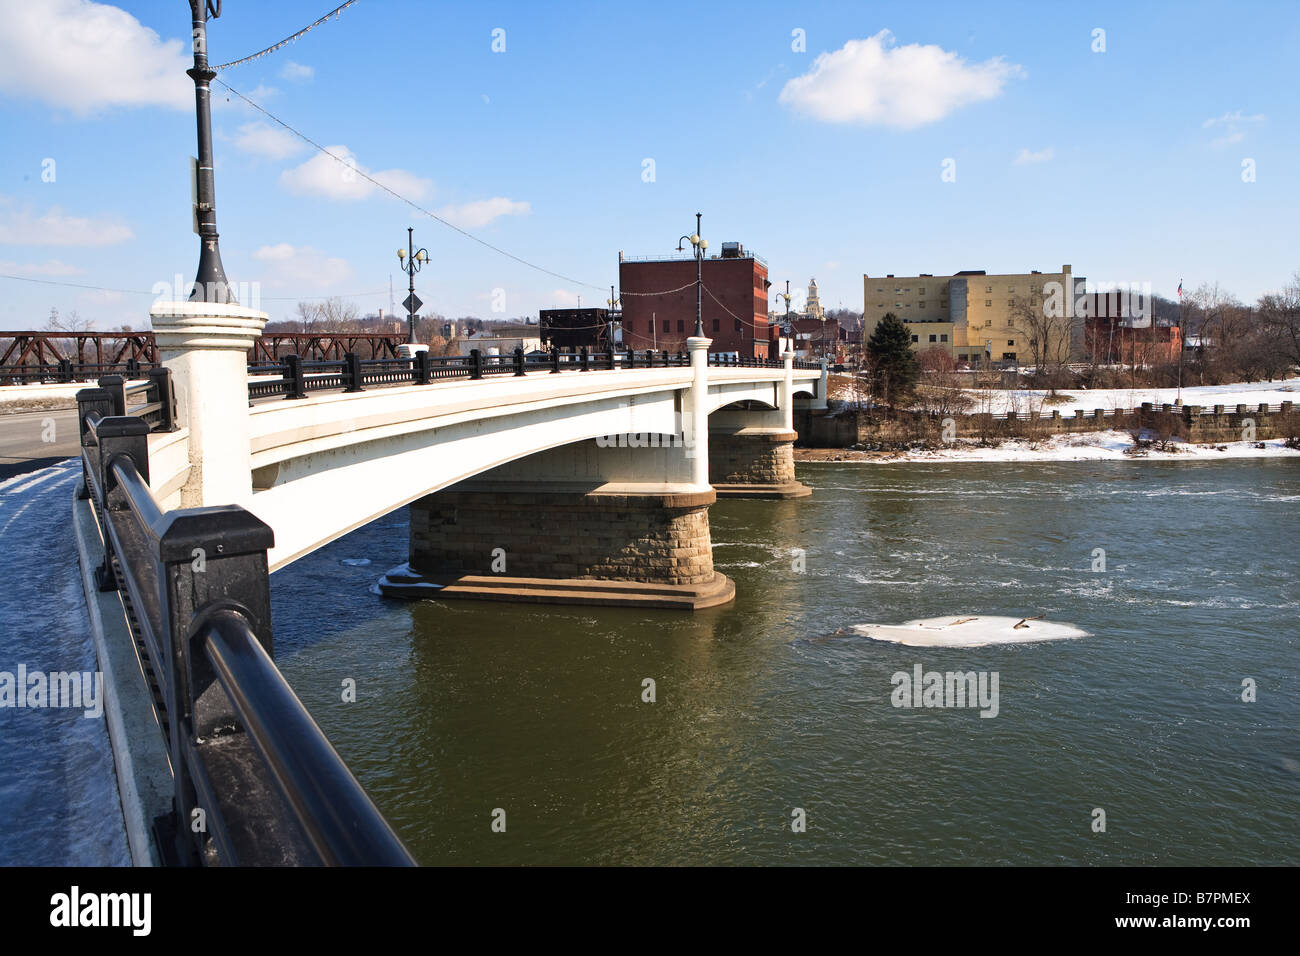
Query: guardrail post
[[585, 358], [117, 436], [295, 379], [161, 391], [92, 400], [609, 357], [116, 386], [555, 361], [423, 372], [475, 363], [212, 558], [352, 372], [65, 370], [519, 360]]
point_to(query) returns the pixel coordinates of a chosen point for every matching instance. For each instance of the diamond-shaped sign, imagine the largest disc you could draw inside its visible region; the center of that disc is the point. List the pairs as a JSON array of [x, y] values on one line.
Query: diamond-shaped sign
[[412, 303]]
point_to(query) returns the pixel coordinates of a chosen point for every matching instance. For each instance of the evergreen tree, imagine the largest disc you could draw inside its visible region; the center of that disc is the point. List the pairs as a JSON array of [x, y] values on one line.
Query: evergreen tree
[[894, 367]]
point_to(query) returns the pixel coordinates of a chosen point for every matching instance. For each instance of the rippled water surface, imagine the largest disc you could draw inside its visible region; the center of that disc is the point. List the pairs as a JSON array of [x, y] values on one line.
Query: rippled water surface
[[763, 708]]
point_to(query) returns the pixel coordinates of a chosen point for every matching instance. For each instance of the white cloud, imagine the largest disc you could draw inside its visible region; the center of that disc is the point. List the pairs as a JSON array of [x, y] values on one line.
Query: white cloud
[[297, 73], [472, 215], [84, 56], [1231, 123], [1042, 156], [263, 139], [563, 297], [334, 179], [872, 82], [303, 269], [23, 227], [1232, 119], [53, 267]]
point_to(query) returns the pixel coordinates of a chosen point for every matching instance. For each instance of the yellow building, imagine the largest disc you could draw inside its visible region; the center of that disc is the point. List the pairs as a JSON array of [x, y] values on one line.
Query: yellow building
[[973, 315]]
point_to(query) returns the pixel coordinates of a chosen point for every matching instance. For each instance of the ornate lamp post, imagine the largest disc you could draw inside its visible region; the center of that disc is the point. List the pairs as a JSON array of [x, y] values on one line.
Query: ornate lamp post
[[699, 245], [615, 304], [210, 285], [789, 331], [412, 261]]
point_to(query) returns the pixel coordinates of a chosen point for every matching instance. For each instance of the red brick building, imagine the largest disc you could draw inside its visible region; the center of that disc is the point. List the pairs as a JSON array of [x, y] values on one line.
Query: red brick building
[[1119, 328], [658, 298]]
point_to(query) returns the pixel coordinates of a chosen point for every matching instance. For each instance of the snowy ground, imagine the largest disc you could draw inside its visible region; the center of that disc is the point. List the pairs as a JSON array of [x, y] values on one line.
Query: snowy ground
[[998, 401], [1089, 446], [58, 788]]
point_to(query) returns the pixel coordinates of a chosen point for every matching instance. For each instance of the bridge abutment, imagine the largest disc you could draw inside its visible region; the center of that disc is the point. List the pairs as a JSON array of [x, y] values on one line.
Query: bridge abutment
[[588, 523]]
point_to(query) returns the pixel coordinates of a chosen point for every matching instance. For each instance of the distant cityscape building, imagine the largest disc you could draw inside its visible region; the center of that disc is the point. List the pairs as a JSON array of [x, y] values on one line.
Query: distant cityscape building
[[1120, 329], [574, 328], [658, 296], [972, 315], [501, 340]]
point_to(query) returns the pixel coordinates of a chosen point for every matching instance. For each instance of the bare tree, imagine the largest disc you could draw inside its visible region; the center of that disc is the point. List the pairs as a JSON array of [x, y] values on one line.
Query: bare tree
[[1050, 331], [1279, 314]]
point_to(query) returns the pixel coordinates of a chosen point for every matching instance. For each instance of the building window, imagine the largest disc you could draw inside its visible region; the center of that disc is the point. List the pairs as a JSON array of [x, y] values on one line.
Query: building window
[[988, 303], [921, 291], [964, 357], [898, 305], [738, 325], [934, 338], [921, 305], [880, 291], [715, 325], [1011, 341], [681, 325], [1008, 356], [988, 288], [916, 339], [943, 337], [1011, 288], [898, 290], [1011, 323], [988, 323]]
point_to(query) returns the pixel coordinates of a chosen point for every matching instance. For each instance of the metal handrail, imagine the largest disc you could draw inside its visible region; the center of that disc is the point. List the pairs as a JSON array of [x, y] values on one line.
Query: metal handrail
[[196, 625]]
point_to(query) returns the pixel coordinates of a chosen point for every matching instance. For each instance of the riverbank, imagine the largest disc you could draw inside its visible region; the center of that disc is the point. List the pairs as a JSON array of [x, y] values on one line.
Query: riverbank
[[1092, 446]]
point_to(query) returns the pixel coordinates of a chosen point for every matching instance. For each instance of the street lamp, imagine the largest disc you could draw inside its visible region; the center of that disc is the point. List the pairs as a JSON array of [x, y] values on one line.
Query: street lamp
[[412, 261], [699, 245], [614, 303], [789, 331], [210, 285]]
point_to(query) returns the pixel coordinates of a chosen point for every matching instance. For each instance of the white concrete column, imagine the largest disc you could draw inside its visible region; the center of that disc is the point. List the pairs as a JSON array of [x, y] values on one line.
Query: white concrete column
[[787, 391], [823, 389], [696, 410], [205, 344]]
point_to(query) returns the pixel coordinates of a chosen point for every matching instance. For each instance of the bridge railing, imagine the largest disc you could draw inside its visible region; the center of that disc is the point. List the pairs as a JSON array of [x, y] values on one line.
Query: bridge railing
[[255, 781], [295, 378], [67, 371]]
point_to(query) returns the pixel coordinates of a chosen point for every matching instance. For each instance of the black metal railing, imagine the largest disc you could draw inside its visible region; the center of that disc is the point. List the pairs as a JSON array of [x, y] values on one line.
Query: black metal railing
[[295, 378], [67, 371], [255, 781]]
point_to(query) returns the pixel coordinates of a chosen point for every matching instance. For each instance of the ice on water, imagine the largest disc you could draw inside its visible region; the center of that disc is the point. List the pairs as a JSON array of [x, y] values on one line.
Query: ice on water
[[958, 630]]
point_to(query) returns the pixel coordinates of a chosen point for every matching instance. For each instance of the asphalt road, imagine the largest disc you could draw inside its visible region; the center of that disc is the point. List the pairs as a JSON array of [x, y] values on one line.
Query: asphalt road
[[24, 444]]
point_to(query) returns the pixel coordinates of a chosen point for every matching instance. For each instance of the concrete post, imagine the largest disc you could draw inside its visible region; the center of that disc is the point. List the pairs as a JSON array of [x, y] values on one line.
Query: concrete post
[[787, 391], [823, 388], [205, 344], [696, 410]]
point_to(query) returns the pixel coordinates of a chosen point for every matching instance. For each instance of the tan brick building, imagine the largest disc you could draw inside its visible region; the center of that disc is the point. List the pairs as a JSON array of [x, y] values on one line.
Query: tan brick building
[[972, 314]]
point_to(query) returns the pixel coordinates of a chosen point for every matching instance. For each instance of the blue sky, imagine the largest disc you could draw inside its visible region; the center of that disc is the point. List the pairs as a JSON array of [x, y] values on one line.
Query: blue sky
[[1125, 163]]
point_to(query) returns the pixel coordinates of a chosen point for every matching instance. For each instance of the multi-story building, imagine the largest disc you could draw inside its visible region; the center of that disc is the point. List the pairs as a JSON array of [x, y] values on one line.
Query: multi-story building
[[1118, 328], [977, 317], [659, 301], [574, 328]]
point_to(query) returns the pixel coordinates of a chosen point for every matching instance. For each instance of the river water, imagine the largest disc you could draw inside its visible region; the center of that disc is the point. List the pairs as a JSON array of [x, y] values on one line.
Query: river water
[[762, 710]]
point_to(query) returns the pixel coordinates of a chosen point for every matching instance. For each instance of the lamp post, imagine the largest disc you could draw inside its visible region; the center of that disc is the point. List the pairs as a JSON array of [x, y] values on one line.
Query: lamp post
[[614, 303], [412, 260], [789, 332], [699, 245], [210, 284]]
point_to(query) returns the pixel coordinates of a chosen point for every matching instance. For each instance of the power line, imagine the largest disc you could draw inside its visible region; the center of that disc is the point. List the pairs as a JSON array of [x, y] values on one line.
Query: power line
[[289, 39], [269, 298], [396, 195]]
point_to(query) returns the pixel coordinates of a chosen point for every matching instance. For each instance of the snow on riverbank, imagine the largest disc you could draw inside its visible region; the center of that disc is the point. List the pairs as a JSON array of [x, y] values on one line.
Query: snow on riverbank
[[1023, 400], [1089, 446]]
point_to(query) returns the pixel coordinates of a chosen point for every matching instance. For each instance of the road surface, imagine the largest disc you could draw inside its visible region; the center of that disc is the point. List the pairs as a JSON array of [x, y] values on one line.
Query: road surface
[[32, 440]]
